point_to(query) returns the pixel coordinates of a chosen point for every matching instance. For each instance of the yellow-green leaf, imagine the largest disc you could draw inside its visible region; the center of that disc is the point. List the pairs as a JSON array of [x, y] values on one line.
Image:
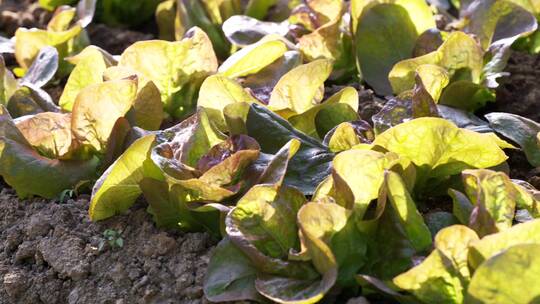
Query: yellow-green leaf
[[301, 88], [89, 67], [253, 58], [439, 148], [176, 68], [98, 107], [510, 277], [491, 245], [118, 188]]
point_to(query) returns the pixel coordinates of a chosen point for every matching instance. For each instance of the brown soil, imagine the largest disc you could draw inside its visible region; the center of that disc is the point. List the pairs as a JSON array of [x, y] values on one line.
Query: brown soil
[[49, 253], [21, 13], [115, 40], [519, 94]]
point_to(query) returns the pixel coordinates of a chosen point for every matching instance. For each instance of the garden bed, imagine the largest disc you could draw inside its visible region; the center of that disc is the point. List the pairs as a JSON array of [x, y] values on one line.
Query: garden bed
[[50, 251]]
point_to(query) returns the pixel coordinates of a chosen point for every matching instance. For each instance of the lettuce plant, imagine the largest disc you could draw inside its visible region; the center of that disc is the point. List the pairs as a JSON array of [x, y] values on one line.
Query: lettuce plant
[[122, 12], [25, 96], [518, 15], [176, 17], [113, 12], [184, 156], [291, 249], [67, 146], [172, 71], [463, 66], [316, 29], [203, 169], [64, 32], [292, 90], [373, 23]]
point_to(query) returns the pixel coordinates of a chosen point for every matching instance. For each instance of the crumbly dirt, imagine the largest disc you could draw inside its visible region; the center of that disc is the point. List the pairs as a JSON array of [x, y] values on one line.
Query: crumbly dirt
[[49, 253], [21, 13], [115, 40], [519, 94]]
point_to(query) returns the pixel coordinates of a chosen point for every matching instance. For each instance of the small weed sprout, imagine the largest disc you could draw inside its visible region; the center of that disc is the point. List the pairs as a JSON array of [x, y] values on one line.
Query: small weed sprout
[[113, 238]]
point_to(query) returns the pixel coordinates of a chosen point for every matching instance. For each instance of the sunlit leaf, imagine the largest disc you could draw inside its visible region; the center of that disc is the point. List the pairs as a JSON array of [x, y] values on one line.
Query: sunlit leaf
[[321, 118], [96, 109], [118, 188], [439, 148], [253, 58], [176, 68], [301, 88], [443, 276], [459, 53], [491, 284], [491, 245], [90, 65]]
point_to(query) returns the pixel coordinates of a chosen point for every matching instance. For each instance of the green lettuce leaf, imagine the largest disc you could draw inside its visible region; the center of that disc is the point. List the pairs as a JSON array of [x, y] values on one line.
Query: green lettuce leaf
[[491, 245], [361, 171], [8, 84], [218, 91], [408, 215], [419, 13], [97, 108], [262, 83], [165, 19], [30, 173], [266, 215], [207, 15], [118, 188], [311, 163], [520, 130], [168, 204], [300, 89], [439, 148], [373, 23], [30, 100], [491, 284], [443, 276], [348, 135], [90, 65], [462, 207], [434, 78], [253, 58], [459, 53], [494, 193], [493, 21], [147, 111], [331, 237], [49, 133], [67, 40], [230, 275], [176, 68], [323, 117]]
